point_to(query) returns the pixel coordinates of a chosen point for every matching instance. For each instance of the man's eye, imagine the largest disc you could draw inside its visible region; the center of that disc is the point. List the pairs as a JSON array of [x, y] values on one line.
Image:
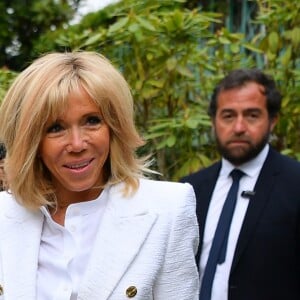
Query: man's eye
[[227, 116], [93, 120], [54, 128]]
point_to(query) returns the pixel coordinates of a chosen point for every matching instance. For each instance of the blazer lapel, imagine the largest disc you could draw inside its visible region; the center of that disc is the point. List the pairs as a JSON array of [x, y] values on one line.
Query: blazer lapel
[[122, 232], [267, 176], [19, 242]]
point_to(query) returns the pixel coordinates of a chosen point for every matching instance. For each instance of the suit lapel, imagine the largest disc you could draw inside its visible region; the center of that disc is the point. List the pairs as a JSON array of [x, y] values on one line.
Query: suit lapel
[[122, 232], [20, 242], [203, 191], [270, 170]]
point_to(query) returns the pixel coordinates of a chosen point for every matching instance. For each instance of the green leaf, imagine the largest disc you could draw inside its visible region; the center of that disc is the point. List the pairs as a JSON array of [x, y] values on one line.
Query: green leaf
[[171, 141], [161, 145], [286, 56], [185, 71], [133, 27], [191, 123], [271, 56], [156, 83], [295, 36], [273, 42], [224, 40], [154, 135], [94, 39], [178, 19], [171, 63], [145, 24], [120, 24], [235, 48], [138, 84], [252, 48], [148, 93]]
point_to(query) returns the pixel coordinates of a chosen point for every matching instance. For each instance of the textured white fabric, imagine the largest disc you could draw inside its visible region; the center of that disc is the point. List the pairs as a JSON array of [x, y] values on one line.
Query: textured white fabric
[[148, 241], [247, 183]]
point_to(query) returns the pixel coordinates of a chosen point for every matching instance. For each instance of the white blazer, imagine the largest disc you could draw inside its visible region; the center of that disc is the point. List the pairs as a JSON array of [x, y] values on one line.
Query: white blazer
[[144, 249]]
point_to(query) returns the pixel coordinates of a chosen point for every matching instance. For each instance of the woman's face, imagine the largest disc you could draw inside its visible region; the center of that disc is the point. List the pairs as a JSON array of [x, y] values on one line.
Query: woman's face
[[75, 147]]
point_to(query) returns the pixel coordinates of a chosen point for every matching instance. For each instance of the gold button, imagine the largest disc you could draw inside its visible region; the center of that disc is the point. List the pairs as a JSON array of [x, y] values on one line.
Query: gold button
[[1, 290], [131, 291]]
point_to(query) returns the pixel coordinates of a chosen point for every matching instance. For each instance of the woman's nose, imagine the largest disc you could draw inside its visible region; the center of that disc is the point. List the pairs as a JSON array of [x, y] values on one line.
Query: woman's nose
[[76, 140]]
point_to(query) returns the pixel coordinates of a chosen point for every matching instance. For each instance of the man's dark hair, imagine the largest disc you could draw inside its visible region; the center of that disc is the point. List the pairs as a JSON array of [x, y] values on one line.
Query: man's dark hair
[[240, 77]]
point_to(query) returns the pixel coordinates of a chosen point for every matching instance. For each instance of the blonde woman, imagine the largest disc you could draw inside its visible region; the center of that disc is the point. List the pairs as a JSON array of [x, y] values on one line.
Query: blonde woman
[[79, 220]]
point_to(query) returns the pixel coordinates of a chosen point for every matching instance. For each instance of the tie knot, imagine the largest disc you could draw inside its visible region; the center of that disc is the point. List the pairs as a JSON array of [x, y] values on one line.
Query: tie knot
[[236, 174]]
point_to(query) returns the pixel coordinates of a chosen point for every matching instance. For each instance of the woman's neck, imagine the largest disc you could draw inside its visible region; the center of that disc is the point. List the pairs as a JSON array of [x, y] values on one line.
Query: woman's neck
[[64, 199]]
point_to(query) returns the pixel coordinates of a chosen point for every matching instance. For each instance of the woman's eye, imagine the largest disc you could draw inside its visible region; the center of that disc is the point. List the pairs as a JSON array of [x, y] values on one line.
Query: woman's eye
[[93, 120], [54, 128]]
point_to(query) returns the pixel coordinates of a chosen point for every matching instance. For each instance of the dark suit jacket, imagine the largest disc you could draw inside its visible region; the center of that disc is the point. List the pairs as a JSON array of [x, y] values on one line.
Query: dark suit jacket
[[266, 263]]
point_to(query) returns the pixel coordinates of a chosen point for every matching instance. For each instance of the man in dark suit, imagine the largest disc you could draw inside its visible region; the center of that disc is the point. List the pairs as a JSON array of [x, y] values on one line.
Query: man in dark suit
[[262, 259]]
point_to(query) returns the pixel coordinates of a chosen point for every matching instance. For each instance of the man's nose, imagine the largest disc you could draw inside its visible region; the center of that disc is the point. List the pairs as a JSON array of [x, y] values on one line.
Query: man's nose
[[240, 124]]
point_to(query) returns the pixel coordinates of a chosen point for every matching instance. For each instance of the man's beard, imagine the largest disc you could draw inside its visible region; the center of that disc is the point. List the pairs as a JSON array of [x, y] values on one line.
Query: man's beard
[[246, 154]]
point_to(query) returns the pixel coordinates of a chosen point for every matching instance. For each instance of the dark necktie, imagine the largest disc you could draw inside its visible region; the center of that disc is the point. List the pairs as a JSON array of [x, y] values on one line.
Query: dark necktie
[[219, 245]]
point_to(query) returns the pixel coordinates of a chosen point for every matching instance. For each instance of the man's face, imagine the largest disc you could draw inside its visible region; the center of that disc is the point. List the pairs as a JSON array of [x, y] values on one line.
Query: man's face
[[242, 125]]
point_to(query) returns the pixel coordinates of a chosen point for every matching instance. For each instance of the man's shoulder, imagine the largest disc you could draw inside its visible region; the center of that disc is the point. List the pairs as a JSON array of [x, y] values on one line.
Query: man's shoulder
[[291, 166], [287, 163], [203, 173]]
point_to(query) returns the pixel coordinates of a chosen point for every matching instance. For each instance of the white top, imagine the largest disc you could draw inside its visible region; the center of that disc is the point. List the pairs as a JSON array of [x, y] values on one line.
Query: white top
[[65, 250], [247, 183]]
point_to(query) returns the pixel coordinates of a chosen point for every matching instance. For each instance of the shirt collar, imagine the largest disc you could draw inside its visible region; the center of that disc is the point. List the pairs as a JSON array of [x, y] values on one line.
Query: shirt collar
[[85, 207]]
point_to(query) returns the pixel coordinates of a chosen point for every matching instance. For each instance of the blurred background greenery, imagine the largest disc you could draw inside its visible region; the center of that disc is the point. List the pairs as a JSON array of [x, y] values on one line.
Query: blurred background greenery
[[172, 53]]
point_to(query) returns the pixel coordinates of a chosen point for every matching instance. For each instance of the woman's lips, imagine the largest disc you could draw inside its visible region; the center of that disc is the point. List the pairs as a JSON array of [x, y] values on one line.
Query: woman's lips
[[78, 165]]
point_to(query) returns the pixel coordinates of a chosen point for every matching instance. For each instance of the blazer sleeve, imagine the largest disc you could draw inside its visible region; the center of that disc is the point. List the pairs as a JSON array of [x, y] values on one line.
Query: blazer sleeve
[[178, 277]]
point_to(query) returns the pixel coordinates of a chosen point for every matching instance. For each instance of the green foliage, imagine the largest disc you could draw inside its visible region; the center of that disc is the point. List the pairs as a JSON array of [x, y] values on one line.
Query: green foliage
[[280, 43], [23, 22], [173, 54], [172, 60], [6, 78]]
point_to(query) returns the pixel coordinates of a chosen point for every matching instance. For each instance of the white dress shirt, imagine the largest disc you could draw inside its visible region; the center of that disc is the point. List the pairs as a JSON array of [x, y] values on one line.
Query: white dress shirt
[[65, 250], [247, 183]]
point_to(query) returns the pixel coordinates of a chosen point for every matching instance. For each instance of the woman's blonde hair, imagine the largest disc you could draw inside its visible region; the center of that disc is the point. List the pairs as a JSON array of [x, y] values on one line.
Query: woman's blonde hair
[[41, 92]]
